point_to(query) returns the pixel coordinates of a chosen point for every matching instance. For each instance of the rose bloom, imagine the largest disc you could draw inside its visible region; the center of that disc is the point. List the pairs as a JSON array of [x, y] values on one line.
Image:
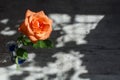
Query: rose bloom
[[37, 26]]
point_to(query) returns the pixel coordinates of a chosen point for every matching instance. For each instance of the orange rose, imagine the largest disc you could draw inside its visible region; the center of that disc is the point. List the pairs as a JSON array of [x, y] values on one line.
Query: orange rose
[[37, 26]]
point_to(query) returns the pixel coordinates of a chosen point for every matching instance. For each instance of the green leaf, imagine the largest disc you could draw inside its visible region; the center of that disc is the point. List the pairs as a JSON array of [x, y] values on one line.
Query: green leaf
[[25, 55], [20, 38], [22, 53], [36, 45], [43, 44], [26, 42]]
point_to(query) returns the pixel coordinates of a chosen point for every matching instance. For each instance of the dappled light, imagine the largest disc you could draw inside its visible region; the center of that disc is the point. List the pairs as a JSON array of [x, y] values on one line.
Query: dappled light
[[85, 36], [64, 61]]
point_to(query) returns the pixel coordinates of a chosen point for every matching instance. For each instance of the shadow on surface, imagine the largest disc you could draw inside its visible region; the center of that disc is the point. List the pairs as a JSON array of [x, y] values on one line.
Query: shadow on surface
[[101, 53]]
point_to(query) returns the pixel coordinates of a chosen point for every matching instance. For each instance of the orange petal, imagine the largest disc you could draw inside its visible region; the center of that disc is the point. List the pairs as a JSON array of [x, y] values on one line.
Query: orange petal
[[45, 20], [23, 28], [26, 22], [39, 36], [29, 13], [41, 13], [30, 19], [42, 36], [33, 39], [29, 30]]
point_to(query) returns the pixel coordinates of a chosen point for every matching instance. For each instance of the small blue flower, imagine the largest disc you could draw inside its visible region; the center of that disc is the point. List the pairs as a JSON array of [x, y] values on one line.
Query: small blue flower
[[12, 46], [21, 61]]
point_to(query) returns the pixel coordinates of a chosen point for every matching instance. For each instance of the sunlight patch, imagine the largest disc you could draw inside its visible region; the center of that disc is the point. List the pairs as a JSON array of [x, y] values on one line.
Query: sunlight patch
[[4, 21], [8, 32], [60, 18], [77, 31]]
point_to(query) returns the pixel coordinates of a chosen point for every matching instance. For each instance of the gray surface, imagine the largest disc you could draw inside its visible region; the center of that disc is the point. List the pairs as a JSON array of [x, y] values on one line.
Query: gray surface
[[100, 56]]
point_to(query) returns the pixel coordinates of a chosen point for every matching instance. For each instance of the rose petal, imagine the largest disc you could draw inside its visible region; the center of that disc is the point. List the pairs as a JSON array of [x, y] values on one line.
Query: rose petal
[[42, 36], [29, 13], [26, 22], [30, 19], [39, 36], [23, 28], [45, 20], [33, 39], [40, 13], [29, 30]]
